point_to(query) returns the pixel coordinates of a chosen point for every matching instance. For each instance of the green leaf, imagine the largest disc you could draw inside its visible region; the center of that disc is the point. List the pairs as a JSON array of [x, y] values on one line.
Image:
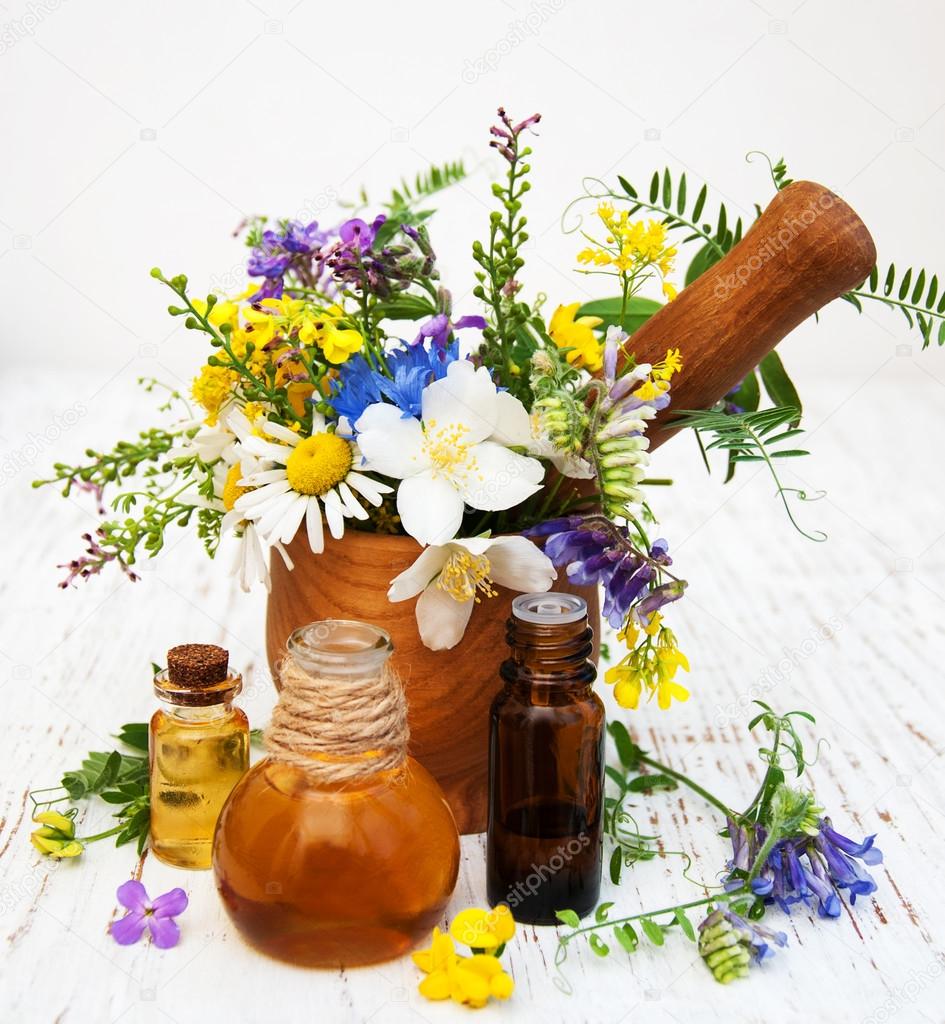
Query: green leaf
[[598, 945], [748, 394], [639, 310], [652, 931], [778, 384], [646, 783], [685, 924], [134, 734], [616, 778], [627, 937], [700, 204], [627, 750], [600, 915], [616, 865], [569, 918]]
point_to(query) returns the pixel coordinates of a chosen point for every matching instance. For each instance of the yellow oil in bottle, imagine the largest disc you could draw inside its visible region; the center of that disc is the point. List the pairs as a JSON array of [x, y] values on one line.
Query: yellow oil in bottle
[[199, 750], [197, 759]]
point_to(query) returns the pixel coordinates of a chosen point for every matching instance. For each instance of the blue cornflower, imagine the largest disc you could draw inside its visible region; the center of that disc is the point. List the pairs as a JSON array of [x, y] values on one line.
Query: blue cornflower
[[411, 369], [354, 389]]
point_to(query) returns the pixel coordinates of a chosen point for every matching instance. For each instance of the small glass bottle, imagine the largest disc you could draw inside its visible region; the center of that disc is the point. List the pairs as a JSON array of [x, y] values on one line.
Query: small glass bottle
[[338, 849], [546, 765], [199, 750]]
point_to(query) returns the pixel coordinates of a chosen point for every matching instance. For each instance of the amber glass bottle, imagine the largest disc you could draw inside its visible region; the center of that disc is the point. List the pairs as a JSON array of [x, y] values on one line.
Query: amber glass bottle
[[546, 765], [199, 749], [324, 871]]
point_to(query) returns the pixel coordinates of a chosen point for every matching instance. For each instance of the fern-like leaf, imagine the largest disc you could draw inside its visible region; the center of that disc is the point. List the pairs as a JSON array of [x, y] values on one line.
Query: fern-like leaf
[[915, 294], [754, 437], [427, 183]]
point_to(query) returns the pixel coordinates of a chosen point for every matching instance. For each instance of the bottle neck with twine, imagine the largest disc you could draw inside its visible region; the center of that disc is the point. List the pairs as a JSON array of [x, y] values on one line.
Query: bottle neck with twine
[[342, 713]]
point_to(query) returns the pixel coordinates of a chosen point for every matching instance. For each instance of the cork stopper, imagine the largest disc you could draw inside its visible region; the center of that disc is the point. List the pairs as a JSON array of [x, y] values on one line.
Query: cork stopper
[[197, 665]]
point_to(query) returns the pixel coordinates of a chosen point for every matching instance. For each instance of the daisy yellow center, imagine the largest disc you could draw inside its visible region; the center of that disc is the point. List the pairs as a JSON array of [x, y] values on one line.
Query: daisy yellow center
[[318, 463], [231, 487], [466, 576], [446, 449]]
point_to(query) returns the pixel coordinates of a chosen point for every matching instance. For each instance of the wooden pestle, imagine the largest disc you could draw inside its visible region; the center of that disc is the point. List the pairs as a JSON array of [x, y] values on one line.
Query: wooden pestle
[[806, 249]]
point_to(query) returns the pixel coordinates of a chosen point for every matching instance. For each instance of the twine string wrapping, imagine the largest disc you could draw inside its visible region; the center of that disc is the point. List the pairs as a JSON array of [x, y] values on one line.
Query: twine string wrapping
[[339, 730]]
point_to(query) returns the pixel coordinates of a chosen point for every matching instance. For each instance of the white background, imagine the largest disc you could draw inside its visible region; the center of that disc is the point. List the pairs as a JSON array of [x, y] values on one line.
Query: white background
[[139, 134]]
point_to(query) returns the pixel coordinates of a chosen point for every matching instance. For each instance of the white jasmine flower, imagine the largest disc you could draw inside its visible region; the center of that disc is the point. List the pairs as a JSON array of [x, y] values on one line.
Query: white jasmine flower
[[455, 455], [451, 578]]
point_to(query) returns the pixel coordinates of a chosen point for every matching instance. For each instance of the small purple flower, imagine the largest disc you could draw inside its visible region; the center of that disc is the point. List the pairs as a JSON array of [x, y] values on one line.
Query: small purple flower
[[803, 868], [439, 328], [293, 248], [607, 557], [157, 915], [359, 234]]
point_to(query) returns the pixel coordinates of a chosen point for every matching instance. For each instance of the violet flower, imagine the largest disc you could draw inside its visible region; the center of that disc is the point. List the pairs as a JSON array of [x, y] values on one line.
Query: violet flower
[[607, 557], [439, 328], [156, 915], [805, 868], [292, 248]]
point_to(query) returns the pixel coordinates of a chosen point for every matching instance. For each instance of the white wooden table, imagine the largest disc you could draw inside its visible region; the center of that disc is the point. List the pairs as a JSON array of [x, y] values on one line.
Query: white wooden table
[[75, 665]]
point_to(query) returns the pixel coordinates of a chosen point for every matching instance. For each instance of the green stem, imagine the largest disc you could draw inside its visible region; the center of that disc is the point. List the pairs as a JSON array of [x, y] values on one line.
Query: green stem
[[101, 835], [694, 786], [655, 913]]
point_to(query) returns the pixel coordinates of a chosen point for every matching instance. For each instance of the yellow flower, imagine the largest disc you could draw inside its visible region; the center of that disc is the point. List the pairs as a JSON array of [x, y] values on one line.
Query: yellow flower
[[483, 929], [669, 290], [212, 389], [467, 980], [322, 329], [671, 364], [56, 838], [263, 319], [627, 684], [223, 312], [577, 335]]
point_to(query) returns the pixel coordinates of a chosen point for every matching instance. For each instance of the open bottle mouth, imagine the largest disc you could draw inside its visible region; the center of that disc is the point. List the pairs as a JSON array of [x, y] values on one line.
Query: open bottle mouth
[[549, 609], [340, 647]]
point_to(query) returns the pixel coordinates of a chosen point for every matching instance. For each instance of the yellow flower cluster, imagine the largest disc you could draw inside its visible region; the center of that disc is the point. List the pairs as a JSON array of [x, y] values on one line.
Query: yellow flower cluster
[[657, 383], [651, 665], [578, 336], [469, 980], [56, 836], [631, 247], [259, 336], [212, 388]]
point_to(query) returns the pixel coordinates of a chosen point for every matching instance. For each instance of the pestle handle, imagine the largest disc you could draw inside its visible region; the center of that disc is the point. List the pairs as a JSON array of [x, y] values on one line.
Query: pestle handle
[[806, 249]]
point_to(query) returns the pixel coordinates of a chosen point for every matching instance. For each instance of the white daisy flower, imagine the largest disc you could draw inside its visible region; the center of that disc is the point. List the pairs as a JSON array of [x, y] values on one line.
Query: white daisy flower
[[311, 474], [455, 455], [248, 552], [452, 578]]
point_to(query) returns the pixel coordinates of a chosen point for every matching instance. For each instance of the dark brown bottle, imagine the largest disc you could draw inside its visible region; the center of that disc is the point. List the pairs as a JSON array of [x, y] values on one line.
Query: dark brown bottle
[[546, 765]]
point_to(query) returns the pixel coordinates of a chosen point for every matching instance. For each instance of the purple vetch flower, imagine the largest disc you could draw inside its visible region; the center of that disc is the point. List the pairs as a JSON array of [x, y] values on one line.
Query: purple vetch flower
[[506, 133], [156, 915], [293, 248], [804, 867], [359, 234], [439, 328], [607, 557]]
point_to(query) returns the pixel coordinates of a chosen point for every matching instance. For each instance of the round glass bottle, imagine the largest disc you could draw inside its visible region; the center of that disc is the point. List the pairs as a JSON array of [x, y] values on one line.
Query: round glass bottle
[[198, 751], [546, 765], [338, 849]]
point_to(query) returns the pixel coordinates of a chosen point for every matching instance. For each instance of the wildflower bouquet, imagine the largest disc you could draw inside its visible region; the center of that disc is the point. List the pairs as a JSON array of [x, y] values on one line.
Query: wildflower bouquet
[[342, 391]]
